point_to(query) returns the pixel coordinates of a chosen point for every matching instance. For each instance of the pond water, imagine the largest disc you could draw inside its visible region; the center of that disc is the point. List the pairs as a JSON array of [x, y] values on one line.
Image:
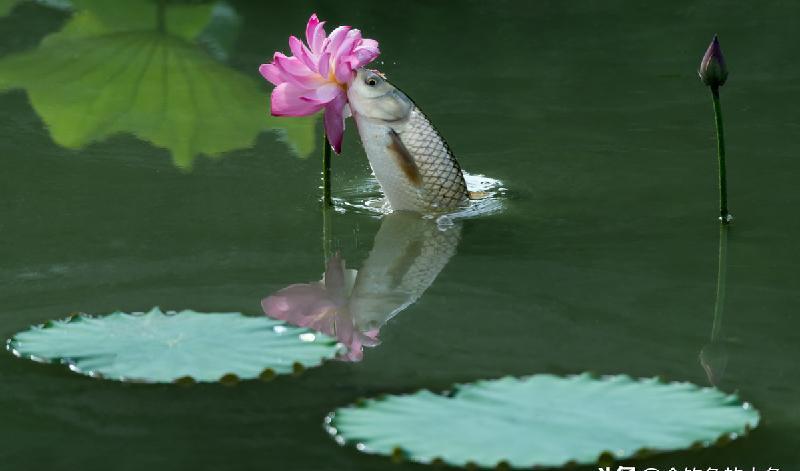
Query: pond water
[[140, 169]]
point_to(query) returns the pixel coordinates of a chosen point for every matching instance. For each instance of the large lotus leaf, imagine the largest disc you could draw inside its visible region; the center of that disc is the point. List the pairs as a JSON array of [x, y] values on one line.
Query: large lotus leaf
[[185, 21], [159, 347], [6, 6], [97, 17], [101, 75], [543, 420]]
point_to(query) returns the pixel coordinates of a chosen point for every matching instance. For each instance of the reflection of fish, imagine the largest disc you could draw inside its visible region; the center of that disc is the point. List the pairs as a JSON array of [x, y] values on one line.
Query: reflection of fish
[[406, 257], [413, 164]]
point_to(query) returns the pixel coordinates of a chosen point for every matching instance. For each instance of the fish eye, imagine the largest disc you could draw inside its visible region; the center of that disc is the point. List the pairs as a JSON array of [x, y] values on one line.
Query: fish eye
[[371, 81]]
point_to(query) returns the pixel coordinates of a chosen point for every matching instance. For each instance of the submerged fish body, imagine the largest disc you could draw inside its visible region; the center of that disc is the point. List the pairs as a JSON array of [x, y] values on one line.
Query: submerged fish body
[[411, 161]]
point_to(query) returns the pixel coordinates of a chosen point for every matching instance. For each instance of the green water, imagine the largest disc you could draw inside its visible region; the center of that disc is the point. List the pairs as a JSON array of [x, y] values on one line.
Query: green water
[[604, 258]]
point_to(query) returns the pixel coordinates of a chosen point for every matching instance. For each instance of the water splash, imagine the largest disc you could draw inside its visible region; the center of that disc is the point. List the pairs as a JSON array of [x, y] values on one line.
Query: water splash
[[364, 196]]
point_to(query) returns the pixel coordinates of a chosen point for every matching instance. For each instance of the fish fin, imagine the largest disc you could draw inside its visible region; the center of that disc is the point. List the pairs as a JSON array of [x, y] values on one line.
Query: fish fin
[[404, 158], [477, 195]]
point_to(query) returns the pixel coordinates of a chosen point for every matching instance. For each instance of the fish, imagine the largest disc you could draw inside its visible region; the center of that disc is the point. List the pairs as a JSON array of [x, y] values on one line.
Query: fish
[[410, 159]]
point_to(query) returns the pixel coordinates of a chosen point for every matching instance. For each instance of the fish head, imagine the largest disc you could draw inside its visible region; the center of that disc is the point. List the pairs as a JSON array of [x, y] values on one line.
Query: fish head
[[372, 96]]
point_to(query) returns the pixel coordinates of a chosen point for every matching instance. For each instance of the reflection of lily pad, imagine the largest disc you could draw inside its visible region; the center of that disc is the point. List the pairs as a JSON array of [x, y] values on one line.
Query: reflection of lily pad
[[159, 347], [108, 71], [543, 420]]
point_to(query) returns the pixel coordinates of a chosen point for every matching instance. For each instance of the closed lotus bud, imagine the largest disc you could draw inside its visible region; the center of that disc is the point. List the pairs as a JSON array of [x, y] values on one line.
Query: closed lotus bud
[[713, 71]]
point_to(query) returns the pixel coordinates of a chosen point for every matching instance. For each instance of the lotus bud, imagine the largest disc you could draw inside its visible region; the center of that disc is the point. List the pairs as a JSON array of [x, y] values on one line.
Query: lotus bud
[[713, 71]]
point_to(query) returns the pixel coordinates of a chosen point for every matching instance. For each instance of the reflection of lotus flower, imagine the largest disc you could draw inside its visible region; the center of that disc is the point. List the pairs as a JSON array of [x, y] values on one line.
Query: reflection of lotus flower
[[317, 75], [323, 306]]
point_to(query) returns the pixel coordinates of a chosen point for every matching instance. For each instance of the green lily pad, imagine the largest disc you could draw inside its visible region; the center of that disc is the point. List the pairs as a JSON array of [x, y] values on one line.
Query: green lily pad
[[175, 346], [543, 420]]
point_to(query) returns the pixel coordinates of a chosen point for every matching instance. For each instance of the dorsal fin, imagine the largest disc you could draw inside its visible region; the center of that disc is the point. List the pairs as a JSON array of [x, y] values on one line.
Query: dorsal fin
[[404, 158]]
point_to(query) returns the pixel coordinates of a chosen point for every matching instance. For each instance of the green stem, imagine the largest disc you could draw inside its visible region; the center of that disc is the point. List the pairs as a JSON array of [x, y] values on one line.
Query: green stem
[[724, 215], [327, 234], [722, 270], [326, 173]]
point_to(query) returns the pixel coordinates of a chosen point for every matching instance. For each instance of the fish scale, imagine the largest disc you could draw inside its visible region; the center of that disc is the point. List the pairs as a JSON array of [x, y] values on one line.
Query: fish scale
[[443, 184], [412, 162]]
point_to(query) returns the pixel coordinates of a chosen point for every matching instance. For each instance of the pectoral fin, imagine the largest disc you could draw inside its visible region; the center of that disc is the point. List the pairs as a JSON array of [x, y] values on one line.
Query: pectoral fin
[[404, 158]]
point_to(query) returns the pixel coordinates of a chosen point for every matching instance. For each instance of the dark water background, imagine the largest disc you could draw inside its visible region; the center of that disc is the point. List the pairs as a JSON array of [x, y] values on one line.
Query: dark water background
[[604, 259]]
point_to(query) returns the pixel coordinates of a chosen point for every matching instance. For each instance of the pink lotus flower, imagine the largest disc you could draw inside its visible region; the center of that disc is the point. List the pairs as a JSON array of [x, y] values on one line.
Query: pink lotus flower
[[317, 74], [324, 307]]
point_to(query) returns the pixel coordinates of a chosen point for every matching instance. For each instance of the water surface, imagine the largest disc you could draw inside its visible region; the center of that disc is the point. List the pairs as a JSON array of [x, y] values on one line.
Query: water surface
[[143, 170]]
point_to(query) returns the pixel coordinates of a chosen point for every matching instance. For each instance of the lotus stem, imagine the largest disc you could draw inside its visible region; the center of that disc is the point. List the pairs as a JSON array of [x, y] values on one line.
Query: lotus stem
[[724, 216], [714, 356], [327, 234], [327, 202], [722, 270]]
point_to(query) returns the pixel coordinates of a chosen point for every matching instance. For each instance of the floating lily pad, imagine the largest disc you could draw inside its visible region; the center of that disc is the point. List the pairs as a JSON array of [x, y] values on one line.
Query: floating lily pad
[[164, 347], [543, 420]]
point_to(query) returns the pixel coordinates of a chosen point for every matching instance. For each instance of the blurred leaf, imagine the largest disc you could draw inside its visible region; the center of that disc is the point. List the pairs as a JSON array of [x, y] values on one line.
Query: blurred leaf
[[159, 347], [6, 6], [95, 17], [299, 133], [543, 420], [109, 71], [219, 35]]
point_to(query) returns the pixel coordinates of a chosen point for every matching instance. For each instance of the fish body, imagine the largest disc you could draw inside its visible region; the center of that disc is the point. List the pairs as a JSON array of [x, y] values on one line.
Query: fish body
[[412, 162]]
